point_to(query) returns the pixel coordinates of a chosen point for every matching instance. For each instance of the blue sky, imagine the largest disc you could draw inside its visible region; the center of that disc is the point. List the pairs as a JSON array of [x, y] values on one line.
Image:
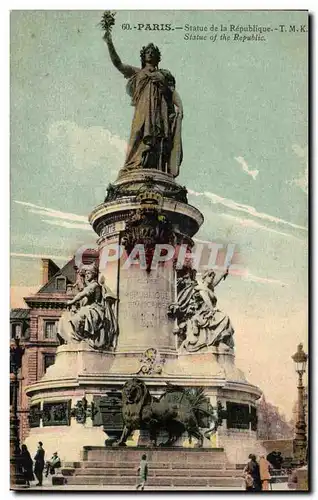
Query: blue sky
[[245, 156]]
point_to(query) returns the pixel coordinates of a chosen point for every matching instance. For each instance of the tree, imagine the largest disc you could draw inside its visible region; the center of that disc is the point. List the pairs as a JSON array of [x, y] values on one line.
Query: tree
[[271, 423]]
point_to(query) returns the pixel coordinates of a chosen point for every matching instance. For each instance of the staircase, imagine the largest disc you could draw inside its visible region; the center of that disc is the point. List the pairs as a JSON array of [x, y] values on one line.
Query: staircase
[[176, 468]]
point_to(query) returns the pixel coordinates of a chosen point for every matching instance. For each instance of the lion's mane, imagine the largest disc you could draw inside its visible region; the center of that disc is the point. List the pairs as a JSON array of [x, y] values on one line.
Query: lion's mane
[[135, 397]]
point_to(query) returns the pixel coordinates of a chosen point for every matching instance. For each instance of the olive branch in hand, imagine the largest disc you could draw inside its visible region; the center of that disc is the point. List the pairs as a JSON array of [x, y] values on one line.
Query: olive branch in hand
[[107, 21]]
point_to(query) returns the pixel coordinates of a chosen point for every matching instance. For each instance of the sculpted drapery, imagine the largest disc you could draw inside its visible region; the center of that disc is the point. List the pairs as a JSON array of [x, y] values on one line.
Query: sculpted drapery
[[92, 317], [155, 138], [200, 323]]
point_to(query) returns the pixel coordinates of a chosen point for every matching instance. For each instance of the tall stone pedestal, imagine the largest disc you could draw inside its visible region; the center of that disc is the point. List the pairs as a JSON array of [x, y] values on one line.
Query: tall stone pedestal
[[147, 346]]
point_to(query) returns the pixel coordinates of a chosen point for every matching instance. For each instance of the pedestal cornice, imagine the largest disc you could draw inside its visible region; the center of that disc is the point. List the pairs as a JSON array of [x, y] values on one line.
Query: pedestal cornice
[[123, 207]]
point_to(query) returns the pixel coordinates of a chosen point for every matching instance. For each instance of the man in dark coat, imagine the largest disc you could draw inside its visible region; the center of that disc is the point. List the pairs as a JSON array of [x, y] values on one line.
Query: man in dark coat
[[39, 464], [252, 475]]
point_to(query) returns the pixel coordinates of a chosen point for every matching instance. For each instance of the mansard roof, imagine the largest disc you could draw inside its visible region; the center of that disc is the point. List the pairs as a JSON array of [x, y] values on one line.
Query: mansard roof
[[19, 314], [52, 297], [67, 272]]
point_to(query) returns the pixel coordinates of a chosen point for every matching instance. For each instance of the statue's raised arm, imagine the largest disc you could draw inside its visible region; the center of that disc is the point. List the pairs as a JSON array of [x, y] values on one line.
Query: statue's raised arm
[[107, 23], [223, 276], [125, 69]]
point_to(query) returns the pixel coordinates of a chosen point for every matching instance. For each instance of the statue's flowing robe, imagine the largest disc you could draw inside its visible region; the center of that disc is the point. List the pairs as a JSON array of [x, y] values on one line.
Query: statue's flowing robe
[[185, 289], [156, 128], [94, 321], [209, 326], [205, 325]]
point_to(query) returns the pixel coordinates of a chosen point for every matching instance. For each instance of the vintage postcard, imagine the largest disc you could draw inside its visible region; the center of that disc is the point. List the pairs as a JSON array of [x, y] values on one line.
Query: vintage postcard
[[159, 238]]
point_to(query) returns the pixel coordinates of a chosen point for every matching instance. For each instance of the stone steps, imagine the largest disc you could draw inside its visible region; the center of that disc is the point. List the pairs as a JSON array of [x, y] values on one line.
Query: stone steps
[[154, 455], [157, 472], [229, 482], [171, 468], [210, 464], [156, 465]]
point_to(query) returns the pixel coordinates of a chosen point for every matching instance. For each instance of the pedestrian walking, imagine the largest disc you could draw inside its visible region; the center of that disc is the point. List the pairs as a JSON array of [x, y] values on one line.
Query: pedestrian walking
[[143, 473], [251, 475], [39, 464], [26, 464], [264, 470]]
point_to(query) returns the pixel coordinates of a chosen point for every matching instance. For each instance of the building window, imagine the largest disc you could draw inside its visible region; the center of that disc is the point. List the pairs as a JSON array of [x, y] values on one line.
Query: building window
[[26, 334], [48, 361], [16, 331], [50, 330], [61, 284]]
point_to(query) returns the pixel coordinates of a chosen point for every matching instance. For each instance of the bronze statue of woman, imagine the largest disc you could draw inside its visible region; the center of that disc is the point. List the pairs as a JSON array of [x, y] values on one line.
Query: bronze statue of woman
[[155, 139]]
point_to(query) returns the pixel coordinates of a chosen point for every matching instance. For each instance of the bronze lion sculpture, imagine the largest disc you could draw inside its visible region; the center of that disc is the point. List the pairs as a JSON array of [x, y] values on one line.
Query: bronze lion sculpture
[[176, 411]]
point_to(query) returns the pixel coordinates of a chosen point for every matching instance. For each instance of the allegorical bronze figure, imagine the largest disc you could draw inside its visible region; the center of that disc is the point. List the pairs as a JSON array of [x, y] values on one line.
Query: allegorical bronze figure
[[155, 139], [177, 410]]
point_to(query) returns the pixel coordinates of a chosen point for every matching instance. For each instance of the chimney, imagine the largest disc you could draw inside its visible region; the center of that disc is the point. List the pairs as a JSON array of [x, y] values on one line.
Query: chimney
[[49, 268]]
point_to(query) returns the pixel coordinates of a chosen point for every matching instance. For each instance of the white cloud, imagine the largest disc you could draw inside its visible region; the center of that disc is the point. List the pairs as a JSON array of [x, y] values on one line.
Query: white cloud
[[302, 181], [258, 279], [233, 205], [62, 219], [248, 223], [68, 225], [246, 168], [89, 147], [38, 256], [52, 212], [246, 275]]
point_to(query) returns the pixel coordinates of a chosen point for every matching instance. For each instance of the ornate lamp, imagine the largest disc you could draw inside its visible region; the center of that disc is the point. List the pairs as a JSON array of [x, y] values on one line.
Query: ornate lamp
[[300, 359], [300, 441]]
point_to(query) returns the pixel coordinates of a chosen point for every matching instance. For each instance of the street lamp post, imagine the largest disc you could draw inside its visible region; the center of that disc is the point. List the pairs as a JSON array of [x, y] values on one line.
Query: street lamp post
[[300, 441], [16, 477]]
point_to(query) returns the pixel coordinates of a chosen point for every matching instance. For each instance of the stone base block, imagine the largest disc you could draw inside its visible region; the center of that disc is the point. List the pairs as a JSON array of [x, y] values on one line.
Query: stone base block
[[216, 363], [72, 364], [58, 481], [68, 441], [238, 444], [74, 360], [172, 456]]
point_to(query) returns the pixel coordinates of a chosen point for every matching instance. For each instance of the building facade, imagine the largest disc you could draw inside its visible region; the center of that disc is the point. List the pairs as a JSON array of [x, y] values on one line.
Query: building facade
[[36, 327]]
